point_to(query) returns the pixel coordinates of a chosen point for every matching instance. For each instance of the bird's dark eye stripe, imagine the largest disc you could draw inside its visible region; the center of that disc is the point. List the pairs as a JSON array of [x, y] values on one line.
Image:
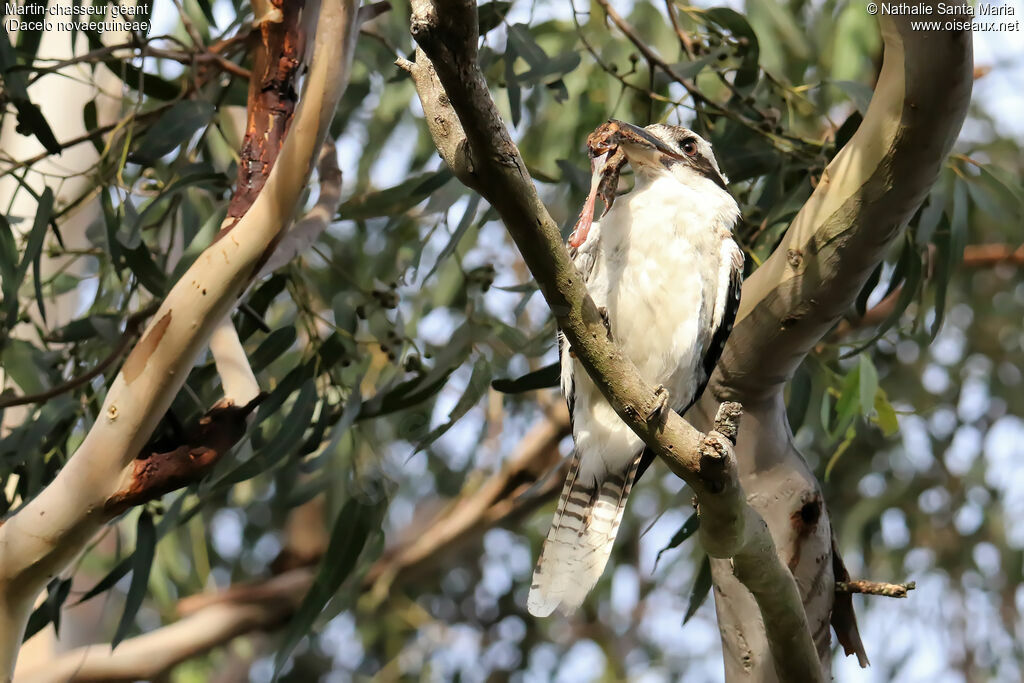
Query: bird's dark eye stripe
[[704, 166]]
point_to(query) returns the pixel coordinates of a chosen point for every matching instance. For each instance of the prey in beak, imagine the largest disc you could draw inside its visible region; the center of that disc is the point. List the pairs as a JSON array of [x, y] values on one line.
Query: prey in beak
[[607, 157], [619, 133]]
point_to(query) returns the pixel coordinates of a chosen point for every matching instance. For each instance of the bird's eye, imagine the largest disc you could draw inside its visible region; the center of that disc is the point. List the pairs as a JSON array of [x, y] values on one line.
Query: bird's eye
[[689, 147]]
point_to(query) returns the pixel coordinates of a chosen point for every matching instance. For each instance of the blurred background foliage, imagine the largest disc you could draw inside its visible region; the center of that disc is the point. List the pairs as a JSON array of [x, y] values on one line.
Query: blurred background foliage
[[378, 348]]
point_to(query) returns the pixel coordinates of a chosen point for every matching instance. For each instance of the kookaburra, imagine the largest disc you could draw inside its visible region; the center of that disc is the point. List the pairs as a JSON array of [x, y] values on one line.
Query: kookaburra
[[662, 267]]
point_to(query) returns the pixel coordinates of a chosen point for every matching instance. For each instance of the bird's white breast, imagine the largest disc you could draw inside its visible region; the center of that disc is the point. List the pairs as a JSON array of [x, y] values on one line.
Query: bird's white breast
[[657, 273]]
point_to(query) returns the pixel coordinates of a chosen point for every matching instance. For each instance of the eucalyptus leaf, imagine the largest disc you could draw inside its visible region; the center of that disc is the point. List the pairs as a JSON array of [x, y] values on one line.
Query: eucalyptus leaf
[[49, 611], [395, 200], [175, 126], [142, 563], [352, 528], [542, 378], [460, 231], [701, 589], [867, 378], [475, 390], [272, 348], [689, 528]]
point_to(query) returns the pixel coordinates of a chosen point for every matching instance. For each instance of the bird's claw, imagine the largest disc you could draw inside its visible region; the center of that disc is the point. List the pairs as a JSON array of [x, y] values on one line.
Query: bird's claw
[[661, 404]]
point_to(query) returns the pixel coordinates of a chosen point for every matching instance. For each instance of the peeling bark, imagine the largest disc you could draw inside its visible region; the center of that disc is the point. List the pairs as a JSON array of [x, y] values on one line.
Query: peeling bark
[[154, 474], [271, 102]]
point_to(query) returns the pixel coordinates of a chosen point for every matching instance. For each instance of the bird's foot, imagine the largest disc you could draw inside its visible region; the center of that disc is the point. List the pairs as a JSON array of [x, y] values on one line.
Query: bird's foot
[[657, 414], [603, 312]]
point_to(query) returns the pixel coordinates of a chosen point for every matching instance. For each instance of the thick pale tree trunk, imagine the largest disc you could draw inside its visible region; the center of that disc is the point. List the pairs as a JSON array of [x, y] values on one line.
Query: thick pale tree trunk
[[866, 196]]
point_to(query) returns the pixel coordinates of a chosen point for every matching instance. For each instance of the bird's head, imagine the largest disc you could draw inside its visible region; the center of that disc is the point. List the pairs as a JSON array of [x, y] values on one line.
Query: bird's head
[[653, 152], [660, 148]]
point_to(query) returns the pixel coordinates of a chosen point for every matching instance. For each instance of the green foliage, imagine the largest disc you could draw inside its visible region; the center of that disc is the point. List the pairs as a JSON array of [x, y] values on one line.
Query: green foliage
[[701, 589], [354, 524], [142, 563]]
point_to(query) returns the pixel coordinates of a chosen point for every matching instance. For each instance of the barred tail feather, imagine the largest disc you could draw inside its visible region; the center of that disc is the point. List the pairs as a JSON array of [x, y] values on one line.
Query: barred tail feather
[[580, 539]]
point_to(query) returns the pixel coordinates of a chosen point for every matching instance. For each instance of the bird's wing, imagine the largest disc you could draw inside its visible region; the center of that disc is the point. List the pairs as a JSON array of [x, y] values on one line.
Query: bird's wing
[[589, 512], [727, 303], [585, 258]]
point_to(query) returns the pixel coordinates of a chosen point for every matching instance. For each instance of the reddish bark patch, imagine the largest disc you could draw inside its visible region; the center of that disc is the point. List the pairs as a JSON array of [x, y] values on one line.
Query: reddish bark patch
[[140, 355], [277, 59], [155, 473]]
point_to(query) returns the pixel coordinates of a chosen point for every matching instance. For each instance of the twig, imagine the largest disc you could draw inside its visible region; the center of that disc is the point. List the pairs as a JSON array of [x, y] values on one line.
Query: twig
[[613, 72], [985, 255], [649, 54], [684, 40], [512, 491], [888, 590], [699, 97], [975, 256], [131, 330], [150, 115]]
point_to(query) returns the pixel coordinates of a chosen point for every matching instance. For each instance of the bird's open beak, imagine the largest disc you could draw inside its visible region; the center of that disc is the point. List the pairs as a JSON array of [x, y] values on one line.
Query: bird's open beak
[[603, 144], [635, 135]]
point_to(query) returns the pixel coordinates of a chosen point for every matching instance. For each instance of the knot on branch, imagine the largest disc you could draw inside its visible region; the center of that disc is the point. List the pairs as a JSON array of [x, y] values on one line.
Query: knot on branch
[[714, 447], [451, 24], [727, 420], [155, 474], [715, 453]]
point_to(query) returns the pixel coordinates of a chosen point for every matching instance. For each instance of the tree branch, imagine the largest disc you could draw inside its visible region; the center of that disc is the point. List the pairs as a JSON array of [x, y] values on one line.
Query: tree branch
[[237, 379], [866, 195], [975, 256], [271, 99], [487, 160], [987, 255], [152, 655], [502, 496], [156, 473], [39, 541]]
